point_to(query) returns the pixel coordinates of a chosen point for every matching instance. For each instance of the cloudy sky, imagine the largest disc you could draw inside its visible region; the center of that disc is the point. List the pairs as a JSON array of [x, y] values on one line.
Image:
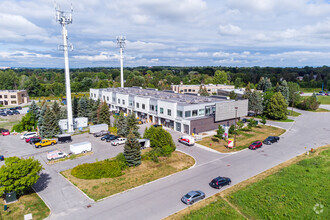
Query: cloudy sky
[[168, 32]]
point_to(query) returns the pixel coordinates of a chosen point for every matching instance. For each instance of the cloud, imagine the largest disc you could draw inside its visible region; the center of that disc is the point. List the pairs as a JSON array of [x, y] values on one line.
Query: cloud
[[229, 29], [23, 55], [103, 56]]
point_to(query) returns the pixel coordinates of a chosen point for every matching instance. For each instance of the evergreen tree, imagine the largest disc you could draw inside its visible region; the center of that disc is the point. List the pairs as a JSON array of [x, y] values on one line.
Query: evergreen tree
[[57, 110], [277, 107], [50, 126], [232, 95], [284, 89], [64, 113], [121, 125], [264, 84], [41, 119], [94, 105], [203, 91], [255, 101], [82, 107], [103, 115], [34, 111], [132, 150], [75, 107], [132, 125], [220, 132]]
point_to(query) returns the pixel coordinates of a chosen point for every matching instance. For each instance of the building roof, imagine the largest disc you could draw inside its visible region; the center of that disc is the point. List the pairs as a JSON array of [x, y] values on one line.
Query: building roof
[[184, 85], [169, 96]]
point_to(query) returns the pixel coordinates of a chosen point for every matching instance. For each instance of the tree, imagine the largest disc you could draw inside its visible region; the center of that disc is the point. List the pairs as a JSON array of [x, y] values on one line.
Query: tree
[[220, 77], [220, 132], [132, 150], [19, 175], [294, 96], [277, 107], [57, 110], [75, 107], [41, 119], [310, 103], [255, 101], [263, 120], [103, 115], [34, 110], [264, 84], [232, 95], [121, 125], [159, 138], [93, 106], [284, 89], [82, 107], [203, 91], [64, 113], [239, 124], [50, 126], [27, 123], [132, 125]]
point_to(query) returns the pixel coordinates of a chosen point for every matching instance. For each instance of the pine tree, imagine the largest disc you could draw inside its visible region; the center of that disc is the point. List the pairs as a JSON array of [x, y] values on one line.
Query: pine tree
[[132, 125], [94, 105], [50, 126], [284, 89], [64, 113], [255, 101], [121, 125], [57, 110], [34, 111], [41, 120], [277, 107], [232, 95], [203, 91], [75, 107], [103, 115], [264, 84], [132, 150], [82, 107]]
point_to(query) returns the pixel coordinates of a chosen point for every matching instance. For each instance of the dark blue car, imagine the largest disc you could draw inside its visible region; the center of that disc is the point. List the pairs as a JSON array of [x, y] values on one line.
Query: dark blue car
[[219, 182]]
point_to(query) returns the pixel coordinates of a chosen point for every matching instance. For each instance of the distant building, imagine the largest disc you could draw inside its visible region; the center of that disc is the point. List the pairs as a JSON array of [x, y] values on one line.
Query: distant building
[[180, 112], [195, 88], [4, 68], [226, 92], [13, 97]]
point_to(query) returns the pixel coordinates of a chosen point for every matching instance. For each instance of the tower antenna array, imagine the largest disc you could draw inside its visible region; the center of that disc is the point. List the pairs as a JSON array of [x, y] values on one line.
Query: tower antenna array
[[65, 18], [121, 44]]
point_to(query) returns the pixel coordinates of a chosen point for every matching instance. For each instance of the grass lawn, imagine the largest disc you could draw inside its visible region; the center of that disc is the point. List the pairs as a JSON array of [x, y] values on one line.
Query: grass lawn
[[287, 191], [310, 90], [30, 203], [321, 110], [283, 120], [9, 121], [133, 177], [244, 138], [293, 113], [325, 100]]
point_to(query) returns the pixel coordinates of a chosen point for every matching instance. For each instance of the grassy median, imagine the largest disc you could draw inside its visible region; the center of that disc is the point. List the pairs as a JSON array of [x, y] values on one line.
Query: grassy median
[[295, 189], [148, 171], [244, 138], [30, 203]]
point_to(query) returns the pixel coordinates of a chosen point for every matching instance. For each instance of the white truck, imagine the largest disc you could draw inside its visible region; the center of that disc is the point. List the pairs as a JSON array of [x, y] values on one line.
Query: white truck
[[97, 128], [55, 154], [82, 147], [118, 141], [187, 140]]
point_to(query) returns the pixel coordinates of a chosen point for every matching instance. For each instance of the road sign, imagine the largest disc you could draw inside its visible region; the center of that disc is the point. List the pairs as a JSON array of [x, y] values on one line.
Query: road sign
[[230, 143]]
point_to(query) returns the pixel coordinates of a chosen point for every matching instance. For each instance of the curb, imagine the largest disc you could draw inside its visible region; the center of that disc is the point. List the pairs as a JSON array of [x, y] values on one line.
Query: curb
[[50, 210], [188, 155]]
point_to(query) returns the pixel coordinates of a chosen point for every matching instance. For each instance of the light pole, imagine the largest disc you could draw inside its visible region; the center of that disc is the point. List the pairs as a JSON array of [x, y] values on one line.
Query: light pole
[[235, 127]]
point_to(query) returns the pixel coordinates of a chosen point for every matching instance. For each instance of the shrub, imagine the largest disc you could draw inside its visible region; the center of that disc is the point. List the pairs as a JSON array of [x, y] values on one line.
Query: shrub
[[159, 137], [231, 129], [120, 158], [309, 104], [98, 170], [167, 150]]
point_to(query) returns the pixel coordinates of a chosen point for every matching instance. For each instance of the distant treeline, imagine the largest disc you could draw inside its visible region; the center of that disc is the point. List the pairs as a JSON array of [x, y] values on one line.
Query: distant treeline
[[51, 82]]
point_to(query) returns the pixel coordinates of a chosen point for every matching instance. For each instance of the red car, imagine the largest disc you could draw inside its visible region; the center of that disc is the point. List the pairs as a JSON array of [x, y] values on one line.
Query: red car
[[5, 132], [27, 140], [255, 145]]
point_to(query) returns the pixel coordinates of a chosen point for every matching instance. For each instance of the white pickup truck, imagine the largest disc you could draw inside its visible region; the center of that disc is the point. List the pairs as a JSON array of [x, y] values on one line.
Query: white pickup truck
[[55, 154], [118, 141]]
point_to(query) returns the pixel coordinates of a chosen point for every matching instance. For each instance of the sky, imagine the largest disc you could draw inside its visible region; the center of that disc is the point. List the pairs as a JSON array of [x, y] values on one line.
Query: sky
[[277, 33]]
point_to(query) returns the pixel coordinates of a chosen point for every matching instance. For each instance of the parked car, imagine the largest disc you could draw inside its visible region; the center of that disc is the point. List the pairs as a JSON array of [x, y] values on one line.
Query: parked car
[[255, 145], [156, 126], [219, 182], [29, 135], [15, 112], [192, 196], [118, 141], [108, 136], [251, 114], [271, 139], [64, 138], [244, 120], [9, 113], [27, 140], [187, 140], [55, 154], [101, 133], [12, 109], [111, 138], [3, 114], [18, 107], [5, 132], [2, 158], [45, 143], [34, 140]]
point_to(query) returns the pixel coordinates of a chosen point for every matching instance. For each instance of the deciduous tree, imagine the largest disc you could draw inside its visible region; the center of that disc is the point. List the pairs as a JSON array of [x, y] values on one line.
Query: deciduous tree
[[277, 107]]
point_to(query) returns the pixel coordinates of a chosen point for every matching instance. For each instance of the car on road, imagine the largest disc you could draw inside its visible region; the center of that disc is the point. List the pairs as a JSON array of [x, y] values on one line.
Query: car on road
[[101, 133], [4, 132], [271, 139], [29, 135], [55, 154], [12, 109], [219, 182], [187, 140], [192, 196], [34, 140], [45, 143], [255, 145], [118, 141], [109, 137], [9, 113], [3, 114], [2, 158], [15, 112]]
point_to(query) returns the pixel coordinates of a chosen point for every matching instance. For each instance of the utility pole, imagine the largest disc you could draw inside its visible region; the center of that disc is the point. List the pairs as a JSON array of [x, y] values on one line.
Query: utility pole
[[121, 44], [65, 18], [235, 127]]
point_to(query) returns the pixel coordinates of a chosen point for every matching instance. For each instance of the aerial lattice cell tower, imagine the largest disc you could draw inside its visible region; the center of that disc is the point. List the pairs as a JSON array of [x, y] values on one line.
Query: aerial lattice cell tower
[[65, 18], [121, 45]]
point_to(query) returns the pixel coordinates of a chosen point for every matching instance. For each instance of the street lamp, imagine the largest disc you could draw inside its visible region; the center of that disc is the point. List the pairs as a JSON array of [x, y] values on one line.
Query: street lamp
[[235, 126]]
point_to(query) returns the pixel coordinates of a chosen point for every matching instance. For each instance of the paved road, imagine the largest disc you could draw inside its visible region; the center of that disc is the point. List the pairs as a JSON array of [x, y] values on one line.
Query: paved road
[[162, 198]]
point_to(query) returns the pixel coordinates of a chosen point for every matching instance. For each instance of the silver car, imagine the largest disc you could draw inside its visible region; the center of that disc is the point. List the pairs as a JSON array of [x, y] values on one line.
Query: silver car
[[192, 196]]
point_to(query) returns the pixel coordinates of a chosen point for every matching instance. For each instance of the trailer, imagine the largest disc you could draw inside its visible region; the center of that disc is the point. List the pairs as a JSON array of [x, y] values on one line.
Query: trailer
[[64, 138], [81, 147], [144, 143], [96, 128]]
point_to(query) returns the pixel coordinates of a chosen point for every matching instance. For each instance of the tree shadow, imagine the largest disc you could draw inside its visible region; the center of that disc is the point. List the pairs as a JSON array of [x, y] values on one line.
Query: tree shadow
[[42, 182]]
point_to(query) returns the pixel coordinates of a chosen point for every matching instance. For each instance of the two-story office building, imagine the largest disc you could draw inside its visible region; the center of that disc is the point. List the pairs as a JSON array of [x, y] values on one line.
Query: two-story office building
[[13, 97], [181, 112]]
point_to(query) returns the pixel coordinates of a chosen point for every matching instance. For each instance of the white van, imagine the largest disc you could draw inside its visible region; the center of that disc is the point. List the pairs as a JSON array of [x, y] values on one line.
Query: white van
[[82, 147], [29, 135], [55, 154], [187, 140]]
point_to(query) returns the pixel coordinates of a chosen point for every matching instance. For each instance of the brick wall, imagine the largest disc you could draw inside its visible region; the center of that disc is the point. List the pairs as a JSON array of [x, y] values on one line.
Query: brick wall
[[208, 124]]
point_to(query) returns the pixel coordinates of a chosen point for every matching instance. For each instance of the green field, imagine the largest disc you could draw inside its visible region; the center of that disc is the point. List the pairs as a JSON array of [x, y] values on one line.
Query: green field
[[310, 90], [325, 100], [290, 193]]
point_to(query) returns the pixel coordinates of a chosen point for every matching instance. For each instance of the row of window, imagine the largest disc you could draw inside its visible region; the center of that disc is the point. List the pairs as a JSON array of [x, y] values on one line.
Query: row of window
[[5, 96]]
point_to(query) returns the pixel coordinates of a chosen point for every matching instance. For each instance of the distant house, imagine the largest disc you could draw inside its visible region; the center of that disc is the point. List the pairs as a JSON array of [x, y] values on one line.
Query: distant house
[[300, 78]]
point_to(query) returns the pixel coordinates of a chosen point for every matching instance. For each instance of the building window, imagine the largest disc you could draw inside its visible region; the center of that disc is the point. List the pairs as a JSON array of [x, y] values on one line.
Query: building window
[[161, 110], [194, 113], [22, 95], [108, 98], [143, 106], [94, 95], [169, 112], [123, 101], [187, 114], [113, 99], [201, 112], [181, 90], [185, 90], [152, 108], [5, 96], [130, 102], [138, 105], [0, 96], [189, 90], [207, 110], [193, 90], [179, 113], [103, 98], [118, 101], [13, 102], [113, 106]]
